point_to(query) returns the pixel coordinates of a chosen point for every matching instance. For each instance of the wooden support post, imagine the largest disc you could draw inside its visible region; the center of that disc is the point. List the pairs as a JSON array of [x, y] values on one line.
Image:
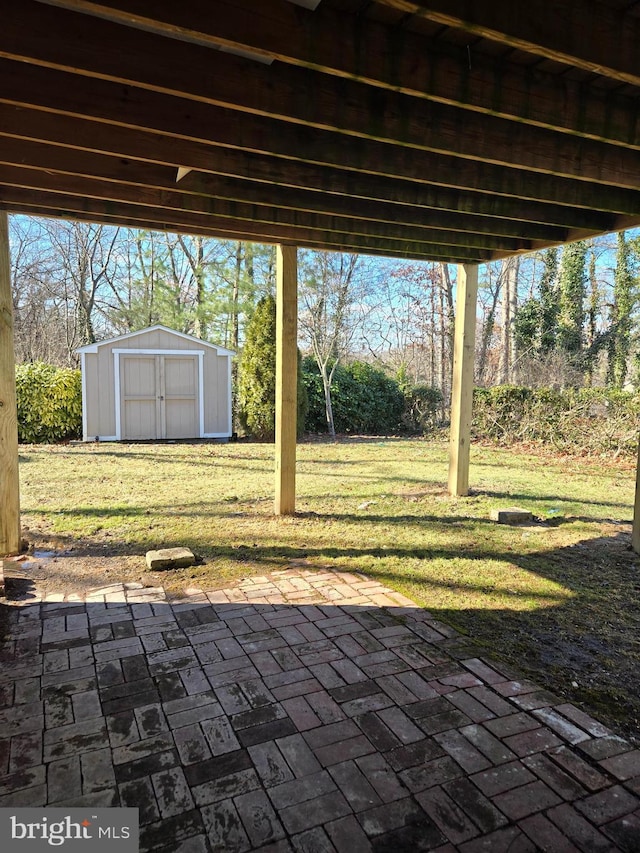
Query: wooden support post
[[635, 535], [462, 384], [286, 378], [9, 484]]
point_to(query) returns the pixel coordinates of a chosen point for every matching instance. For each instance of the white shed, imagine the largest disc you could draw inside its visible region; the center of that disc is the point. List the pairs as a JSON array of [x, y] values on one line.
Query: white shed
[[155, 384]]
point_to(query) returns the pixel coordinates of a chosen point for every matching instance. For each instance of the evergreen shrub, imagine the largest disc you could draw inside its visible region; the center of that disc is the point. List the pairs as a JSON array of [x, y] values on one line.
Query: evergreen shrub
[[257, 376], [423, 404], [49, 403], [365, 400]]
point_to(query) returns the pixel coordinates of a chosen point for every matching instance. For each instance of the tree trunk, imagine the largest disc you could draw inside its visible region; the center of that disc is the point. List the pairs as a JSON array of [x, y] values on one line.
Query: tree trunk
[[432, 358], [326, 385], [443, 360], [509, 275], [235, 299], [487, 333], [448, 333], [199, 328]]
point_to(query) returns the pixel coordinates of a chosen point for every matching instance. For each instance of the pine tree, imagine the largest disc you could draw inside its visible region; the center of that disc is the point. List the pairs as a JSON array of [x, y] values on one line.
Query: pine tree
[[257, 381]]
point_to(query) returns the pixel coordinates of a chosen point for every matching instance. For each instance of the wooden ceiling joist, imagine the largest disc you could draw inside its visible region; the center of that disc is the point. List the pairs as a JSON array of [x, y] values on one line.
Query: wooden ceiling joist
[[389, 58], [85, 45], [191, 130], [76, 164], [443, 130], [174, 201], [74, 207], [581, 33]]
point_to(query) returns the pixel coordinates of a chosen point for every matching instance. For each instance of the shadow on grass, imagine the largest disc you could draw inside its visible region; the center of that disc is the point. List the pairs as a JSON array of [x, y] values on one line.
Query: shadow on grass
[[121, 453], [524, 496], [225, 507]]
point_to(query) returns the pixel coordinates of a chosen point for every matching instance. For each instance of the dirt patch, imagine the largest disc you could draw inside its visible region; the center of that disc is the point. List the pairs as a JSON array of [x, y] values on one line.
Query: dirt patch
[[435, 490], [53, 569]]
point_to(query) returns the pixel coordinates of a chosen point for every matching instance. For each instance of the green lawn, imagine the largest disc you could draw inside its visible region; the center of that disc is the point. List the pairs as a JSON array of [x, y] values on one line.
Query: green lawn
[[558, 599]]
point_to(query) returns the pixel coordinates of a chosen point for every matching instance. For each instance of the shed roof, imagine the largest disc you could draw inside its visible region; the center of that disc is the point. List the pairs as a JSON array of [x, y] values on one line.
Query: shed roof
[[158, 327], [437, 129]]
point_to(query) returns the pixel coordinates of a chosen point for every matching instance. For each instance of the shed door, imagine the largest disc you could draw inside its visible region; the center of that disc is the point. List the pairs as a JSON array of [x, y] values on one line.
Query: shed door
[[179, 414], [159, 397]]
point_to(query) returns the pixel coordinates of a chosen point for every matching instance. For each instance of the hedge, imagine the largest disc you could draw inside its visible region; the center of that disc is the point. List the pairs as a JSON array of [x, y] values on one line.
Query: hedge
[[595, 421], [49, 403], [365, 400], [423, 404]]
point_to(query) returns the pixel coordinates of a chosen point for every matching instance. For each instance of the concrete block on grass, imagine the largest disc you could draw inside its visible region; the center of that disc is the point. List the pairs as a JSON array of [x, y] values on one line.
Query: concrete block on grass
[[170, 558], [512, 515]]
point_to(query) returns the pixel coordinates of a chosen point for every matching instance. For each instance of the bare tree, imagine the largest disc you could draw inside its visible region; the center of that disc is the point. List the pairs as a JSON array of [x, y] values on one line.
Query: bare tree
[[448, 322], [87, 262], [60, 269], [489, 296], [401, 323], [39, 317], [332, 293], [411, 323]]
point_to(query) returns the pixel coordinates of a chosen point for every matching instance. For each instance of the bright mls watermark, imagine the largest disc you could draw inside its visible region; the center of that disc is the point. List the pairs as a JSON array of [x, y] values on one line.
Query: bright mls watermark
[[36, 830]]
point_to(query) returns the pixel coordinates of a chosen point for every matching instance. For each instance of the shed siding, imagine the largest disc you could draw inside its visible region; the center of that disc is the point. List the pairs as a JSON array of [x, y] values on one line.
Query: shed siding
[[100, 381], [156, 339], [106, 400], [92, 385], [223, 384], [217, 403]]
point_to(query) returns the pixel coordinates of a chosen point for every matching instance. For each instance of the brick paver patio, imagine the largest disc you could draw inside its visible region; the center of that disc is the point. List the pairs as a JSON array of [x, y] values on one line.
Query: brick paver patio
[[299, 712]]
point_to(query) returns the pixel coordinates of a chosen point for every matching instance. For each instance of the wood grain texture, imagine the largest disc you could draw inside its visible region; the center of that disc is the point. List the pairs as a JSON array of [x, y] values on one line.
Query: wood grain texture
[[583, 33], [357, 129], [9, 483], [100, 49], [372, 53], [286, 378], [462, 385]]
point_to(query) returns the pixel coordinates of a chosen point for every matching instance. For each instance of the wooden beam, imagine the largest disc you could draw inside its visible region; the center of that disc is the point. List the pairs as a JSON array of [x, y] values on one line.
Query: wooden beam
[[388, 57], [230, 219], [462, 385], [286, 378], [295, 190], [36, 202], [437, 183], [192, 127], [130, 216], [98, 176], [101, 49], [635, 535], [9, 483], [585, 34]]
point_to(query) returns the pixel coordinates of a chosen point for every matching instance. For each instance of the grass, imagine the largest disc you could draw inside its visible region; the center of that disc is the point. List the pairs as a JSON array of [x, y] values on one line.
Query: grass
[[558, 599]]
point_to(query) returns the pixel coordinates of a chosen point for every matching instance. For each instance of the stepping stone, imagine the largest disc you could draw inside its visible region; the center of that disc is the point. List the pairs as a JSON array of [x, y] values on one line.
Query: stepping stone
[[513, 515], [170, 558]]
